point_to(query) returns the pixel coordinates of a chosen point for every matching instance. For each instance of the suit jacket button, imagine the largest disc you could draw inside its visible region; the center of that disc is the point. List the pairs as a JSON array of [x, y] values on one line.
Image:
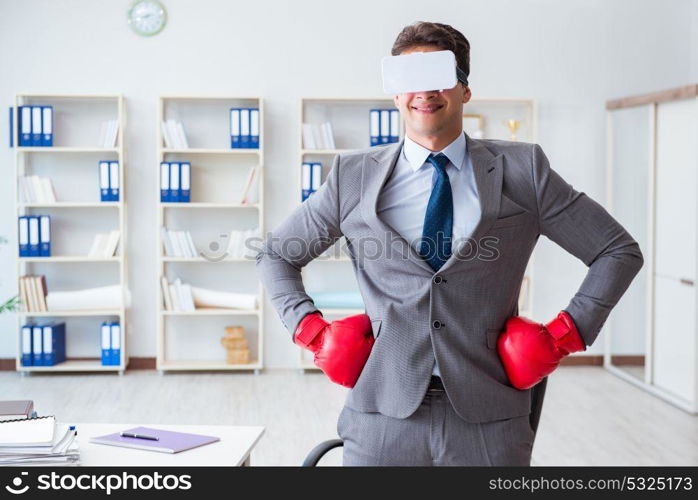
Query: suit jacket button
[[437, 324], [437, 279]]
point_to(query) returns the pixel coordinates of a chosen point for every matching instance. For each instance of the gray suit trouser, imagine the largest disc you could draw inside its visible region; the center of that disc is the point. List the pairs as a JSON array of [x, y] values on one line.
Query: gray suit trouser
[[433, 435]]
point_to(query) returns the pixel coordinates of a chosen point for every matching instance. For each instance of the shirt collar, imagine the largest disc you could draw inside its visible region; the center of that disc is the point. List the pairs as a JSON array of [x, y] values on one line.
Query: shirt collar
[[417, 155]]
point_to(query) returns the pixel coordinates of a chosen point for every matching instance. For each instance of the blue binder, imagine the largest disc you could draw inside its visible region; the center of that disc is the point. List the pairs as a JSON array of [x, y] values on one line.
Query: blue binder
[[254, 128], [115, 348], [114, 181], [165, 182], [23, 235], [104, 180], [53, 344], [36, 126], [235, 128], [25, 126], [394, 125], [47, 126], [12, 130], [385, 126], [45, 236], [245, 128], [26, 345], [374, 126], [37, 346], [306, 181], [34, 236], [175, 190], [105, 335], [185, 182]]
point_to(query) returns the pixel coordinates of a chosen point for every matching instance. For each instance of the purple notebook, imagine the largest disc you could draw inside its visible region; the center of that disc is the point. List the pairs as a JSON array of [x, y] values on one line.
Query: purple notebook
[[168, 442]]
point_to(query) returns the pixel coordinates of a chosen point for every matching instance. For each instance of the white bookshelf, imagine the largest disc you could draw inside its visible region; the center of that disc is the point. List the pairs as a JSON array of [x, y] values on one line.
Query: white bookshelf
[[72, 165], [190, 340], [349, 117]]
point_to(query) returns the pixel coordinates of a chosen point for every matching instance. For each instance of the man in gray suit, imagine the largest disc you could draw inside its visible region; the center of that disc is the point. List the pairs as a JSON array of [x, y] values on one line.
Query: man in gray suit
[[440, 228]]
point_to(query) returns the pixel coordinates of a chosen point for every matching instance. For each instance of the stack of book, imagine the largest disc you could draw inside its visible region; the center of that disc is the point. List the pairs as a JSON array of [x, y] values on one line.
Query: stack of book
[[384, 125], [173, 134], [178, 243], [104, 244], [37, 441], [35, 189], [32, 292], [108, 180], [318, 136], [111, 343]]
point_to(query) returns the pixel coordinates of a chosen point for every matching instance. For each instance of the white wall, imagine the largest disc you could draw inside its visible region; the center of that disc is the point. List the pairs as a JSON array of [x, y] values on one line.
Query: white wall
[[571, 56]]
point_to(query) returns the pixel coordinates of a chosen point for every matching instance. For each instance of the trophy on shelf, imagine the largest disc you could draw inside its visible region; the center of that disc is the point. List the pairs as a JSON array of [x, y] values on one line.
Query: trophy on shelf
[[513, 126], [235, 344]]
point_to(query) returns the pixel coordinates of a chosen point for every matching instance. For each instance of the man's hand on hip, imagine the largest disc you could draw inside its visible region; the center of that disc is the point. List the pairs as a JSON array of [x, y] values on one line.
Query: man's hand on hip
[[531, 351], [341, 347]]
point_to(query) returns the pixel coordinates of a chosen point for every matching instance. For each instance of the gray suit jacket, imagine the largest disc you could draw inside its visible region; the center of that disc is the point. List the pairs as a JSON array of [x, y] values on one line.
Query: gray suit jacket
[[458, 312]]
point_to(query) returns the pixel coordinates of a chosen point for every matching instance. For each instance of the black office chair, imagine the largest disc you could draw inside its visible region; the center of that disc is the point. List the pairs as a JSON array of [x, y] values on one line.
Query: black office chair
[[320, 450]]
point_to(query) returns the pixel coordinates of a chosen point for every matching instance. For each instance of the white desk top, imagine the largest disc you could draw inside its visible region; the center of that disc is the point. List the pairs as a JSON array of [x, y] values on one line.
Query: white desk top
[[233, 449]]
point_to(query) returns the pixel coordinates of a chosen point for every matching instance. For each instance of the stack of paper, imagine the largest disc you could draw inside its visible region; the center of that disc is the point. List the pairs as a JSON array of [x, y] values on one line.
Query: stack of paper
[[108, 134], [35, 441], [173, 134], [104, 244], [35, 189], [32, 292], [178, 243], [318, 136], [103, 297], [180, 296]]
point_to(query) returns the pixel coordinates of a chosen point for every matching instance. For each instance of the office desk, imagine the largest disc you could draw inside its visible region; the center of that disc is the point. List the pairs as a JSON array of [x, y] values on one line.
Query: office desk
[[233, 449]]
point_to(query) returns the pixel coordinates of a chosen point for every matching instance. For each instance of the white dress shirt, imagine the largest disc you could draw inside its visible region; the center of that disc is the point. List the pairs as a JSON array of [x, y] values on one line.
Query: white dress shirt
[[402, 203]]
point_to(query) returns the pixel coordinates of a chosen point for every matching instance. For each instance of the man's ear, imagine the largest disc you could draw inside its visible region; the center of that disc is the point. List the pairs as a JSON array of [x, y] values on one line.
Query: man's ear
[[396, 101], [466, 94]]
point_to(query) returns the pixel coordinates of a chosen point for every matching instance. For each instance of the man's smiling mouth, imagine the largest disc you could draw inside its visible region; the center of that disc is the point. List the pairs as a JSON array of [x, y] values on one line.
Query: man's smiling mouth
[[427, 109]]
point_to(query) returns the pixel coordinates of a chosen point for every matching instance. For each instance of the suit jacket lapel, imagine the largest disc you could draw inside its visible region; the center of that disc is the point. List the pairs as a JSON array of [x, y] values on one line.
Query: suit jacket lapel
[[377, 167], [488, 172]]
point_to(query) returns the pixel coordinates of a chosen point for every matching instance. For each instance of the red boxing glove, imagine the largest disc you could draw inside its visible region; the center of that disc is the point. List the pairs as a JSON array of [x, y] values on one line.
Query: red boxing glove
[[341, 347], [531, 351]]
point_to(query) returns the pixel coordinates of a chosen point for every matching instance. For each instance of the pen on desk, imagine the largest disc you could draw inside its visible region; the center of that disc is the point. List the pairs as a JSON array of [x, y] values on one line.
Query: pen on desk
[[139, 436]]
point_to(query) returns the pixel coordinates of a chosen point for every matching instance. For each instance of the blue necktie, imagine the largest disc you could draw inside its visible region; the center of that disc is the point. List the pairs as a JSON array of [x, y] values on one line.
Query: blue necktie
[[435, 246]]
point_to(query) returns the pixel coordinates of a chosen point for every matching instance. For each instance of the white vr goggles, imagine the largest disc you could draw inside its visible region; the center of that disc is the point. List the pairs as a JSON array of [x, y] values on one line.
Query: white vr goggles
[[421, 71]]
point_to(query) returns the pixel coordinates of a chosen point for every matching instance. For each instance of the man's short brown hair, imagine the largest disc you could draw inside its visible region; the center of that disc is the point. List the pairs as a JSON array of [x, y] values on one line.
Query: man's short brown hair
[[441, 35]]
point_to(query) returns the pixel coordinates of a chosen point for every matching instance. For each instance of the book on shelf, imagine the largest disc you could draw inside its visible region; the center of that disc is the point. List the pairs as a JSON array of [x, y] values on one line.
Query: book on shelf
[[318, 136], [175, 182], [384, 126], [250, 194], [108, 133], [35, 189], [173, 134], [34, 235], [311, 178], [179, 296], [35, 126], [244, 128], [33, 292], [110, 333], [105, 244], [178, 243], [109, 180], [42, 345], [238, 247]]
